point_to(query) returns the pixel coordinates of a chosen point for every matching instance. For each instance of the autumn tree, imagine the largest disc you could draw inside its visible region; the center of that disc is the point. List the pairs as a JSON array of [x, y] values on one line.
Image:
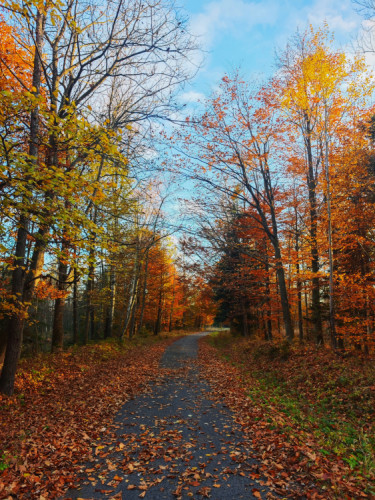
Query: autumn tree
[[234, 148], [319, 87], [77, 50], [15, 62]]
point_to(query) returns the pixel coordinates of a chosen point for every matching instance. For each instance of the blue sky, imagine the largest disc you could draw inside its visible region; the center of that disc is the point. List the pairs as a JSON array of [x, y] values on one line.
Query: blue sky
[[244, 33]]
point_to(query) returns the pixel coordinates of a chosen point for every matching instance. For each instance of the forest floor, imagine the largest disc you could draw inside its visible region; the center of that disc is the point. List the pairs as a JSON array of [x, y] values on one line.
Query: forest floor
[[310, 413], [151, 420], [63, 404]]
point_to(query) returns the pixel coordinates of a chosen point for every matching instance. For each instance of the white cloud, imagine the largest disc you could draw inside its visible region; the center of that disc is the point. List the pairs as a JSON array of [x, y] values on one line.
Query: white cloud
[[342, 20], [234, 16], [338, 14], [192, 97]]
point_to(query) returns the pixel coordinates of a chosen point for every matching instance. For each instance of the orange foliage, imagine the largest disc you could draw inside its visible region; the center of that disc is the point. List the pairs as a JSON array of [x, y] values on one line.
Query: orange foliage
[[47, 290]]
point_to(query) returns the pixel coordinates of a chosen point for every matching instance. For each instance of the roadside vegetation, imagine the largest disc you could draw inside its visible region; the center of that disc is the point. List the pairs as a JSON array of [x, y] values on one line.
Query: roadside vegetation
[[312, 398]]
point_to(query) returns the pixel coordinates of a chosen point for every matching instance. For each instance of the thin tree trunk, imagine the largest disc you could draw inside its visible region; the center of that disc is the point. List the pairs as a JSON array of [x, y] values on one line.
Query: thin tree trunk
[[92, 321], [330, 249], [89, 332], [278, 310], [158, 319], [132, 322], [289, 332], [58, 318], [368, 326], [133, 293], [75, 307], [58, 327], [108, 332], [268, 301], [89, 291], [299, 284], [280, 272], [307, 322], [245, 326], [144, 292], [172, 307], [160, 307], [311, 184], [299, 299]]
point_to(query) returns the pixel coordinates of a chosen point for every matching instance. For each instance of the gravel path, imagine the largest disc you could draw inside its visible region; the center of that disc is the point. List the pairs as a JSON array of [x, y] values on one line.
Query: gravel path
[[173, 442]]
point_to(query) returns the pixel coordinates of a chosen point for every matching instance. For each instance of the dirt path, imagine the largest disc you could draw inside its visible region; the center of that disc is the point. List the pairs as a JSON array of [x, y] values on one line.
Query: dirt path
[[173, 442]]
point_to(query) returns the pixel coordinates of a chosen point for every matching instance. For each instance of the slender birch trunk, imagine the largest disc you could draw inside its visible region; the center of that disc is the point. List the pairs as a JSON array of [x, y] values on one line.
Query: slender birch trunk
[[330, 249]]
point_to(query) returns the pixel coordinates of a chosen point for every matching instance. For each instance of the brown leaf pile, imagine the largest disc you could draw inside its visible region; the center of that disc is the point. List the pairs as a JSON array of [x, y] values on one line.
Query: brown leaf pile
[[62, 404], [291, 462]]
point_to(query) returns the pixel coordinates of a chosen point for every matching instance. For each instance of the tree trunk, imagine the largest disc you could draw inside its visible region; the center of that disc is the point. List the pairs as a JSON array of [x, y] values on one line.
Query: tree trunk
[[89, 332], [158, 319], [330, 248], [17, 321], [132, 323], [144, 292], [172, 308], [368, 326], [245, 326], [89, 308], [299, 299], [311, 185], [75, 307], [160, 307], [108, 332], [132, 296], [268, 301], [280, 273], [58, 318], [299, 284], [274, 239], [58, 327], [3, 338], [288, 325]]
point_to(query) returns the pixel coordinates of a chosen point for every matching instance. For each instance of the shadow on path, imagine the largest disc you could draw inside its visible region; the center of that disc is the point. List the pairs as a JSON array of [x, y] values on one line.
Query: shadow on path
[[173, 442]]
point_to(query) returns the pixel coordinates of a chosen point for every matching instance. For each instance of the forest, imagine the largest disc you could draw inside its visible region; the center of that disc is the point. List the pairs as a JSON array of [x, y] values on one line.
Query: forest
[[291, 167], [271, 246], [86, 248]]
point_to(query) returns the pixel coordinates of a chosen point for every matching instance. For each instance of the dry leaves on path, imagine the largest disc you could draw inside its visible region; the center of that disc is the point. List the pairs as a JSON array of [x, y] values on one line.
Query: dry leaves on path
[[62, 405]]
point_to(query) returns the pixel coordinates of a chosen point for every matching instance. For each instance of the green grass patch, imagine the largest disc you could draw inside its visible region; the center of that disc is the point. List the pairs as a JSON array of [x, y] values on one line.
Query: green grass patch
[[314, 394], [3, 462]]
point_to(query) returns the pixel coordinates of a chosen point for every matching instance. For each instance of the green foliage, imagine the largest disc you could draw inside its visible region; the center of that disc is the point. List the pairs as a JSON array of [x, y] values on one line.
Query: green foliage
[[3, 463], [220, 339]]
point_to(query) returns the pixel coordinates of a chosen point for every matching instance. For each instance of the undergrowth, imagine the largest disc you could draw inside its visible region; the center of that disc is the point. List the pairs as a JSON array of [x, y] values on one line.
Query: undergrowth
[[322, 395]]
